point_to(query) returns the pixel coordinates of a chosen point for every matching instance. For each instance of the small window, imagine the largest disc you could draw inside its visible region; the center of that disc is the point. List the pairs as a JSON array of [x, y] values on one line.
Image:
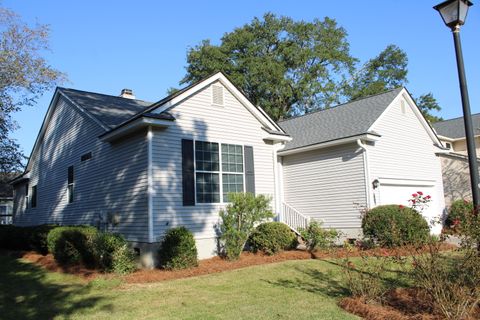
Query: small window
[[217, 95], [86, 156], [448, 145], [26, 195], [70, 186], [34, 196]]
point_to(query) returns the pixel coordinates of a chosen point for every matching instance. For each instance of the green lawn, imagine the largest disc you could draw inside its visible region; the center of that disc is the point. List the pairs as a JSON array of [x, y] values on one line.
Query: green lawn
[[307, 289]]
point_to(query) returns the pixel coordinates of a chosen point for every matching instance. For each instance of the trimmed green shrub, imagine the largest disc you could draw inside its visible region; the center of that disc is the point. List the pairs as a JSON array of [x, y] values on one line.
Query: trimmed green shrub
[[239, 219], [395, 225], [25, 238], [73, 245], [457, 212], [112, 253], [178, 249], [272, 237], [317, 237]]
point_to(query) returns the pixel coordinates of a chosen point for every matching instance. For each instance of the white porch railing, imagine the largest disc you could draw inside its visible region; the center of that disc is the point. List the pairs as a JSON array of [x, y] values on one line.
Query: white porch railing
[[293, 218]]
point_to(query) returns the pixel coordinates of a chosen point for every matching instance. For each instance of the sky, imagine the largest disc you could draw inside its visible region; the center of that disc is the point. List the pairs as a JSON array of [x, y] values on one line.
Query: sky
[[105, 46]]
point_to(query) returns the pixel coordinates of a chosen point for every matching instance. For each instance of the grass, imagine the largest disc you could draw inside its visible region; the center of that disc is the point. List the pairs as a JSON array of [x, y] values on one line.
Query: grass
[[304, 289]]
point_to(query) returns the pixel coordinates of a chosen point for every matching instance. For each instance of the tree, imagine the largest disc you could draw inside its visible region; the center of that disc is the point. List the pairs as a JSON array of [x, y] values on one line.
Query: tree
[[285, 66], [386, 71], [24, 76], [294, 67], [427, 103]]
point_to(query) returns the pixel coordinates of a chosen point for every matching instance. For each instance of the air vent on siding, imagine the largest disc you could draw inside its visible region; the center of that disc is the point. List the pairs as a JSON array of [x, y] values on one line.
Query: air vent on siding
[[217, 95], [402, 107]]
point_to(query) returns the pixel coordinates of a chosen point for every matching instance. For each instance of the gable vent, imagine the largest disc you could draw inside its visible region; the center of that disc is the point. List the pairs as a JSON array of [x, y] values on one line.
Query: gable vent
[[402, 107], [217, 95]]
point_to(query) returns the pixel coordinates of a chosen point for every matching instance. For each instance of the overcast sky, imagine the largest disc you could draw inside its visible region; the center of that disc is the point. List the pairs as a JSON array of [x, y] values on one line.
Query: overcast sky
[[105, 46]]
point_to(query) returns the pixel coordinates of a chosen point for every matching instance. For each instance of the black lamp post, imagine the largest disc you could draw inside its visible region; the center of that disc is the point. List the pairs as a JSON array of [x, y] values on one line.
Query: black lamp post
[[454, 13]]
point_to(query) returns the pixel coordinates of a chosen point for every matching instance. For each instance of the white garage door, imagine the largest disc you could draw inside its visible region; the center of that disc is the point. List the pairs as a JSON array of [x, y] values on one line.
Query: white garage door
[[397, 191]]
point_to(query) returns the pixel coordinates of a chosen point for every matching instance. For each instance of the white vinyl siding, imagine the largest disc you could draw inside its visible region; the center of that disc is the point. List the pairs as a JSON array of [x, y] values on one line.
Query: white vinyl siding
[[197, 119], [327, 185], [113, 182]]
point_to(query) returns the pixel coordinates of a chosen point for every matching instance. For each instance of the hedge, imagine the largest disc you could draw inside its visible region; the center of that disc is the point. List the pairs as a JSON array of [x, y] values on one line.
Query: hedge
[[178, 250], [25, 238], [272, 237]]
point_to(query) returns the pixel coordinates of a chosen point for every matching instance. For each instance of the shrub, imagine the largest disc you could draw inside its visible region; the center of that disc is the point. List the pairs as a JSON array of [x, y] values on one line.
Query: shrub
[[25, 238], [239, 219], [456, 213], [272, 237], [178, 250], [394, 225], [73, 245], [317, 237], [112, 253]]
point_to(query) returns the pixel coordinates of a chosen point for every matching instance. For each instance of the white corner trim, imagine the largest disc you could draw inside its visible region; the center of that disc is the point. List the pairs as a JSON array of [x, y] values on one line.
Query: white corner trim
[[366, 172], [365, 137], [150, 190]]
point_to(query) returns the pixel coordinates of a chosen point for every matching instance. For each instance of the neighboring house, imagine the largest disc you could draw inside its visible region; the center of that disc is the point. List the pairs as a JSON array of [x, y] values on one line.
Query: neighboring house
[[456, 172], [369, 152], [6, 199], [140, 168]]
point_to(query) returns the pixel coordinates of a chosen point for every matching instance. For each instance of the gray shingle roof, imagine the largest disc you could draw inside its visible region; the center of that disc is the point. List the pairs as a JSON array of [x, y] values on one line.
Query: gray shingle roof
[[109, 110], [346, 120], [455, 129]]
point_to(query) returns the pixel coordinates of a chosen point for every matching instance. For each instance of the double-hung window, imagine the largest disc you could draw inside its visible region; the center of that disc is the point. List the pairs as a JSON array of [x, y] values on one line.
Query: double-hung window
[[70, 186], [218, 171]]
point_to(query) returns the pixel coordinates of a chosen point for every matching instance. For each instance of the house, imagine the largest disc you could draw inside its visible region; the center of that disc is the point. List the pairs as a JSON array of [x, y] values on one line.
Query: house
[[140, 168], [373, 151], [6, 198], [456, 174]]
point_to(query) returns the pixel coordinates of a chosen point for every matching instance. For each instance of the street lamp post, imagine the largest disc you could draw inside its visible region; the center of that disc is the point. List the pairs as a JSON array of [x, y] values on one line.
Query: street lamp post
[[454, 13]]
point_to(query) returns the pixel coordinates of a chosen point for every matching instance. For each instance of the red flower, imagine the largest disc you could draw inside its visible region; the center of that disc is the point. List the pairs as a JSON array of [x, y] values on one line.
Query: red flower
[[401, 206], [413, 201], [427, 197], [456, 222], [414, 195], [420, 193]]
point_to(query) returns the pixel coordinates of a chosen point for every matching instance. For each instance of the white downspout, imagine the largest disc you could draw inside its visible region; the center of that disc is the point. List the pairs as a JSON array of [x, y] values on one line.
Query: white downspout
[[278, 174], [150, 189], [366, 171]]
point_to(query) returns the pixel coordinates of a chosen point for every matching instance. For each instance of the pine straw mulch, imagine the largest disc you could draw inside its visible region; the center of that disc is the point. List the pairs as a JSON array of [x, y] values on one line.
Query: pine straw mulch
[[212, 265], [399, 304]]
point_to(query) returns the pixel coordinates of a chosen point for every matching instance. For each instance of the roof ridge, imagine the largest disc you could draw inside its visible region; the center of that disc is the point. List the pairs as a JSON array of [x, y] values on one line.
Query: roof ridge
[[341, 104], [104, 94]]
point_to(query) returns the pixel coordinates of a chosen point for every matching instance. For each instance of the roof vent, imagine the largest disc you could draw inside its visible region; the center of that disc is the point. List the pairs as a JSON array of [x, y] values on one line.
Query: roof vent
[[127, 93]]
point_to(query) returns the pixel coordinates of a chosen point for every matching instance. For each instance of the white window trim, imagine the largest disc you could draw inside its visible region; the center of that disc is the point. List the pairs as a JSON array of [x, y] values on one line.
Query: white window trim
[[220, 172]]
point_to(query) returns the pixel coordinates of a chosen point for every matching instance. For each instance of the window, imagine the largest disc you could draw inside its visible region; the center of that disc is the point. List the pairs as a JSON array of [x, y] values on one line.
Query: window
[[448, 145], [232, 169], [213, 179], [86, 156], [34, 196], [70, 186], [26, 195]]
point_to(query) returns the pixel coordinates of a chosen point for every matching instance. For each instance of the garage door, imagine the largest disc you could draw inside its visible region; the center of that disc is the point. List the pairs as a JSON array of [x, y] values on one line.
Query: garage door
[[398, 191]]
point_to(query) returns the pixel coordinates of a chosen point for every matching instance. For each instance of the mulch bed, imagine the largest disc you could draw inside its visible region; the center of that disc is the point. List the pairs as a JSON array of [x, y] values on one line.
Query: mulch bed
[[212, 265], [400, 304]]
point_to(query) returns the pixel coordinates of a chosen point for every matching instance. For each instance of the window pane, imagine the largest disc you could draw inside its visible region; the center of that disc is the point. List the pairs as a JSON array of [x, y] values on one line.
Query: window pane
[[231, 183], [206, 156], [208, 187], [232, 158]]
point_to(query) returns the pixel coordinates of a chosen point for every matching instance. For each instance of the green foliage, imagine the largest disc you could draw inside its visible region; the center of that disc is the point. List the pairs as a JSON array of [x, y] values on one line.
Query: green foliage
[[283, 65], [317, 237], [457, 214], [386, 71], [24, 76], [239, 219], [272, 237], [25, 238], [427, 103], [178, 249], [394, 225], [73, 245], [112, 253]]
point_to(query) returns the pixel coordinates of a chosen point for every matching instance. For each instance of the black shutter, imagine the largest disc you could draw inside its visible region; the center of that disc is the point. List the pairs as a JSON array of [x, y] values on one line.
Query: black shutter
[[249, 170], [188, 178]]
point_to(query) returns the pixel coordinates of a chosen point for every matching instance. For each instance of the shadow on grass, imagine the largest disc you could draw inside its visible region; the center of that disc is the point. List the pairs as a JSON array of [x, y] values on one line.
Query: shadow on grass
[[26, 293], [331, 282]]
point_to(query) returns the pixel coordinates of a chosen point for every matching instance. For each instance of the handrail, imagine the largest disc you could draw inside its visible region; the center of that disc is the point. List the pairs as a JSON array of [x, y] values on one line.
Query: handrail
[[293, 218]]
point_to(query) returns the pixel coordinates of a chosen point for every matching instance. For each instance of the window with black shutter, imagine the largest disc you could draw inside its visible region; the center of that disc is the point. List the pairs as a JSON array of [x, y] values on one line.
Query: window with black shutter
[[34, 196]]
